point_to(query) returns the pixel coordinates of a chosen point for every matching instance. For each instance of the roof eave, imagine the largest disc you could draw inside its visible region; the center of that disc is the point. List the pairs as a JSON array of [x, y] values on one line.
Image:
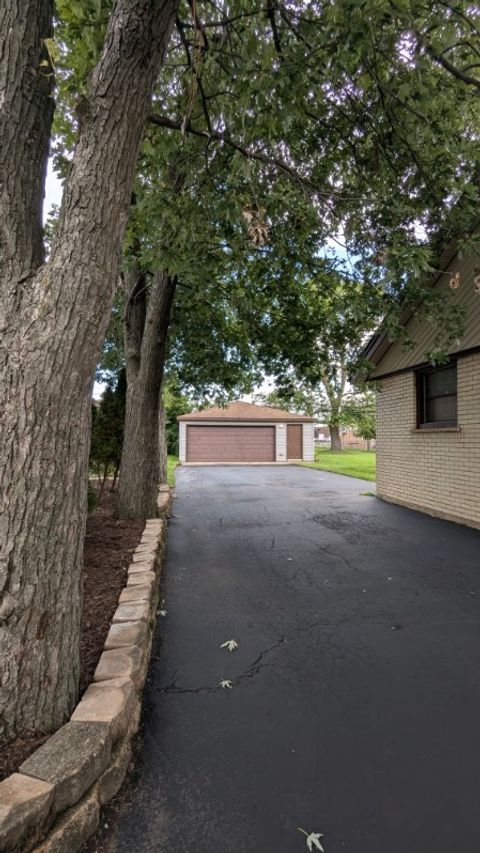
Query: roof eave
[[222, 420], [378, 344]]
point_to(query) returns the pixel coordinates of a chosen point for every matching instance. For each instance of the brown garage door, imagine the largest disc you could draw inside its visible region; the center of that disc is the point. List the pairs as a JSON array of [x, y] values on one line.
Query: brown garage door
[[230, 444]]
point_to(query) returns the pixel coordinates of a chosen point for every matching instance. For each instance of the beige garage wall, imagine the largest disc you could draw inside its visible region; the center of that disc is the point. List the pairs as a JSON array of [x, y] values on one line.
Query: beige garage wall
[[436, 471], [308, 442], [281, 443], [182, 441]]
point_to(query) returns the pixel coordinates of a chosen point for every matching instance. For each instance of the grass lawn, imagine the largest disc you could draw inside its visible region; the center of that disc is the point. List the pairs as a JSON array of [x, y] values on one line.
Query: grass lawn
[[171, 465], [353, 463]]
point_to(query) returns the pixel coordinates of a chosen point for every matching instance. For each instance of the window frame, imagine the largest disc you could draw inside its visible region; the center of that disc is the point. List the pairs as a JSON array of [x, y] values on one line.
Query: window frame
[[420, 377]]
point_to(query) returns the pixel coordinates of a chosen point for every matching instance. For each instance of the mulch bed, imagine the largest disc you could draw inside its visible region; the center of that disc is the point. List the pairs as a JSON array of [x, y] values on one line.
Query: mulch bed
[[109, 545]]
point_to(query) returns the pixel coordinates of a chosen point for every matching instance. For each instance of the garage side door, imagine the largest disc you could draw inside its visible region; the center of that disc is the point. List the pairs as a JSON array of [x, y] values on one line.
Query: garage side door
[[230, 444]]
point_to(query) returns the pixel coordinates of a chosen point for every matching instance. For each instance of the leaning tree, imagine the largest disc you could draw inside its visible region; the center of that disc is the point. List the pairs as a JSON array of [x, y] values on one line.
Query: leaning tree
[[53, 317]]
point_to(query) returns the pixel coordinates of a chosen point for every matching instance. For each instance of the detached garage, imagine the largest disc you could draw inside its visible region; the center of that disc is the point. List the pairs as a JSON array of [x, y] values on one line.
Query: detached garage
[[243, 433]]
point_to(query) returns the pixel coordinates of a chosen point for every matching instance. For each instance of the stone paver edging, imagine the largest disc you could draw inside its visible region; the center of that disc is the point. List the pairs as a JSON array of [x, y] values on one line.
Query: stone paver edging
[[52, 804]]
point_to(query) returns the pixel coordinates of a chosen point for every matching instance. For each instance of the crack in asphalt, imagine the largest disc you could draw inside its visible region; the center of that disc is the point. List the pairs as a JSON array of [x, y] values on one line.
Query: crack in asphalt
[[256, 665], [252, 670]]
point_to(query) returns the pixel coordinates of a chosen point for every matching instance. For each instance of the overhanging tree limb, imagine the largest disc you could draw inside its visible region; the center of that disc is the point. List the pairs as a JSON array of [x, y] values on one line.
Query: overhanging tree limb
[[452, 69], [218, 136]]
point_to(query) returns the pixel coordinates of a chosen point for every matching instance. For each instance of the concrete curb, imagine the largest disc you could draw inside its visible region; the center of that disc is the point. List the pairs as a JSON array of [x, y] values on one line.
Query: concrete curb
[[52, 804]]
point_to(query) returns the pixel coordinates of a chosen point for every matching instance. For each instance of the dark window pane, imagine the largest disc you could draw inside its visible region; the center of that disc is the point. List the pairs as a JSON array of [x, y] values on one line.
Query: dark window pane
[[437, 396], [441, 409], [442, 382]]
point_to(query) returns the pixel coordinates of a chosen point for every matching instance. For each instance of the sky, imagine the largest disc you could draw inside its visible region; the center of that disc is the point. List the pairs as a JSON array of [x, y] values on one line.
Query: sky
[[53, 190]]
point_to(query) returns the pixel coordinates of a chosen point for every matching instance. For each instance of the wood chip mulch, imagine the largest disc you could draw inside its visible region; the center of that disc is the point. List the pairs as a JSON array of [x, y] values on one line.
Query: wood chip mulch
[[109, 545]]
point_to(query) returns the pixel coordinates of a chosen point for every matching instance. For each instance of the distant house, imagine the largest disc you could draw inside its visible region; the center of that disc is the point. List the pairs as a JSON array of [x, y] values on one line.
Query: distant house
[[244, 432], [428, 417], [349, 438], [322, 435]]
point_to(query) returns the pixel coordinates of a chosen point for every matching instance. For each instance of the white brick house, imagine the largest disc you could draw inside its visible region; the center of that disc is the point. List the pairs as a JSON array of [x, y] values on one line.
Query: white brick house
[[428, 418]]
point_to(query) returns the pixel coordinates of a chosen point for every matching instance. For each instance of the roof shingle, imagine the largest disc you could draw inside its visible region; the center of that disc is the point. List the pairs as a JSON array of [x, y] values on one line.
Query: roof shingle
[[242, 411]]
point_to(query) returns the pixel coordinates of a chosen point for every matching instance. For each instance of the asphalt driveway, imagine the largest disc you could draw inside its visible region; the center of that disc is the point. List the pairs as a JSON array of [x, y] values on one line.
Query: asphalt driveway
[[355, 705]]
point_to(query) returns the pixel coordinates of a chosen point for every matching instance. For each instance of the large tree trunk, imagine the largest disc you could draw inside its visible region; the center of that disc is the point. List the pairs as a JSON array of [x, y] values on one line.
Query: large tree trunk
[[335, 389], [335, 438], [53, 321], [145, 353], [25, 124], [144, 452]]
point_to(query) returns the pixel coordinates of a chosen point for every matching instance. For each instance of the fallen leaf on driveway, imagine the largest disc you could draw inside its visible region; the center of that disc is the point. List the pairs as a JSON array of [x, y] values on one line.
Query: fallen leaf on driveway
[[312, 840], [231, 645]]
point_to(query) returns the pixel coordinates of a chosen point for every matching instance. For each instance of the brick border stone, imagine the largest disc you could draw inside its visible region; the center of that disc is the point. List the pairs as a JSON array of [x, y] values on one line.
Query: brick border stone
[[52, 804], [164, 501]]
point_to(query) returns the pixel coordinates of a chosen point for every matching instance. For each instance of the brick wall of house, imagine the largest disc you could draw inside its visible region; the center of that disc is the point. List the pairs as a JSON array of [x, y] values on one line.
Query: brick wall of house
[[432, 470]]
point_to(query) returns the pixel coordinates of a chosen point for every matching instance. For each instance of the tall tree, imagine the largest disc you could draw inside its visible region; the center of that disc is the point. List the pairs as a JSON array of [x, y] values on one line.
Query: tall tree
[[308, 337], [53, 319], [358, 131], [356, 408], [329, 116], [146, 324], [146, 329]]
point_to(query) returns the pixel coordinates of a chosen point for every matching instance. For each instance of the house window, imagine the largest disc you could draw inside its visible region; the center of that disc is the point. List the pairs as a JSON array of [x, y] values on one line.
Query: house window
[[437, 397]]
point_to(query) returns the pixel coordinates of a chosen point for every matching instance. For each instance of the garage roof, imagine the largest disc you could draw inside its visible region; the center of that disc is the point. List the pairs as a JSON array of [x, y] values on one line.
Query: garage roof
[[240, 411]]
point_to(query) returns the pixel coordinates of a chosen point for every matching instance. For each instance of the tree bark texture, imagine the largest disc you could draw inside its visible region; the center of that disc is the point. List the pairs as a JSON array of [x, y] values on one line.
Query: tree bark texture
[[335, 437], [26, 84], [54, 318], [146, 331], [335, 392]]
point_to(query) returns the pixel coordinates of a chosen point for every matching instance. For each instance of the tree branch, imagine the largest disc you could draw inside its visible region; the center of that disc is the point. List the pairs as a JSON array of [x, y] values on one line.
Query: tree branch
[[273, 23], [450, 67], [250, 154]]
